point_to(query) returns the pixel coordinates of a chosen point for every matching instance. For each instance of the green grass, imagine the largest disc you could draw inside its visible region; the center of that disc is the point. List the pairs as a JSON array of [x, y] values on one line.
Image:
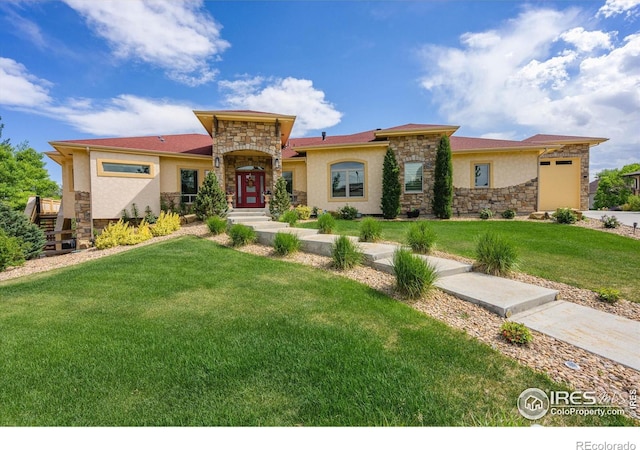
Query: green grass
[[187, 333], [580, 257]]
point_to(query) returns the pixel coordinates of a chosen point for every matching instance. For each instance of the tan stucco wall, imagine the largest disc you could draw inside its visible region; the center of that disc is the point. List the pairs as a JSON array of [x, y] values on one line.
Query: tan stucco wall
[[81, 172], [68, 196], [170, 171], [507, 169], [318, 178], [111, 194], [299, 169]]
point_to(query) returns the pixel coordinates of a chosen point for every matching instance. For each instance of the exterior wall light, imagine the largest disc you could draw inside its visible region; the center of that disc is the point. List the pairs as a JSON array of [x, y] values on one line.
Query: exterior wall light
[[277, 163], [217, 162]]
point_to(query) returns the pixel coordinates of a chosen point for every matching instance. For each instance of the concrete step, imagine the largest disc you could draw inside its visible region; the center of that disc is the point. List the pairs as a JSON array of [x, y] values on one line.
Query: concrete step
[[247, 219], [266, 225], [266, 236], [604, 334], [444, 267], [321, 244], [500, 295], [248, 212]]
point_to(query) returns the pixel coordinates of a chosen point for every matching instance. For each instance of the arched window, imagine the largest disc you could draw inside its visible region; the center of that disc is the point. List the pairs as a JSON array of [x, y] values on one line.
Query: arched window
[[347, 180]]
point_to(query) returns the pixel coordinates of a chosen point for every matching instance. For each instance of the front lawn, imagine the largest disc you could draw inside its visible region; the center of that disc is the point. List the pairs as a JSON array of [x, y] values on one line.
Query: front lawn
[[186, 332], [576, 256]]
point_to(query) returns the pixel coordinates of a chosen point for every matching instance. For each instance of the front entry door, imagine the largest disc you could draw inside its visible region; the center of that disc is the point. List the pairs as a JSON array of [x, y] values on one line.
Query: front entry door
[[249, 189]]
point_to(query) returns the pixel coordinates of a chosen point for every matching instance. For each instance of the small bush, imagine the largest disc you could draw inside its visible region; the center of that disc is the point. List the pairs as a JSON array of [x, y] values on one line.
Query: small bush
[[216, 224], [345, 253], [166, 224], [508, 214], [564, 215], [348, 212], [414, 276], [633, 203], [326, 223], [370, 230], [149, 216], [335, 214], [121, 233], [494, 255], [286, 243], [486, 213], [608, 295], [610, 222], [10, 251], [290, 216], [304, 212], [17, 225], [516, 333], [242, 235], [420, 237]]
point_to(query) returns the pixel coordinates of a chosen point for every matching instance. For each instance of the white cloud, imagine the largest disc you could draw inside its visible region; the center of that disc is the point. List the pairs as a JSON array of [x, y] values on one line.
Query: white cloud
[[561, 79], [587, 41], [19, 87], [616, 7], [285, 96], [129, 115], [177, 36]]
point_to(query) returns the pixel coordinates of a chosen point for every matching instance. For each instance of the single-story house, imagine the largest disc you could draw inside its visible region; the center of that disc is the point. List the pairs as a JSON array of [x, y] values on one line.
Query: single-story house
[[635, 181], [249, 151]]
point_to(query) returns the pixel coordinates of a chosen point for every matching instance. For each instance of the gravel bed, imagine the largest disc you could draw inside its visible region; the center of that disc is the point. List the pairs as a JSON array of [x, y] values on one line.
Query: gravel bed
[[545, 354]]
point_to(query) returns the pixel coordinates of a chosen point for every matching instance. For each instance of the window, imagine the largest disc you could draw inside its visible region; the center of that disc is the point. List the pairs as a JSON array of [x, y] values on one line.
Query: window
[[481, 173], [130, 169], [188, 185], [288, 176], [347, 180], [413, 177]]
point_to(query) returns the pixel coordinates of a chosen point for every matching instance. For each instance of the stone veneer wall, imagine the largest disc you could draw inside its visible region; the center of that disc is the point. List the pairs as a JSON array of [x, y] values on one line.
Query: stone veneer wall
[[416, 149], [576, 151], [84, 225], [522, 198], [300, 198], [241, 135], [167, 197]]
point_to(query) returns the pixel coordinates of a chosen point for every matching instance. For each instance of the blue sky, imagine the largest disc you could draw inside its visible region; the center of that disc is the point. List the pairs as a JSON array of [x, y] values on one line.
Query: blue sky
[[79, 69]]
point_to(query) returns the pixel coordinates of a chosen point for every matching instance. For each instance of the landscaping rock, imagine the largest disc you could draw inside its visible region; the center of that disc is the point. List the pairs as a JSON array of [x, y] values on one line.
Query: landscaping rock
[[539, 215]]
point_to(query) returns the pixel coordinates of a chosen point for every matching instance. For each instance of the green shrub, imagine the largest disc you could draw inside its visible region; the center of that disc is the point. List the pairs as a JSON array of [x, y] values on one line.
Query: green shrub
[[345, 253], [242, 235], [516, 333], [290, 216], [414, 276], [16, 224], [286, 243], [495, 255], [335, 214], [508, 214], [10, 251], [608, 295], [326, 223], [391, 189], [166, 224], [564, 215], [304, 212], [348, 212], [610, 221], [486, 213], [149, 216], [280, 201], [633, 203], [211, 199], [420, 237], [370, 230], [216, 224]]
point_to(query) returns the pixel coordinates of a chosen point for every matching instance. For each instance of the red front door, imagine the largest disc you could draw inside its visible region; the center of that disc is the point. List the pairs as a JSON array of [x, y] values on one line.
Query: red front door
[[249, 189]]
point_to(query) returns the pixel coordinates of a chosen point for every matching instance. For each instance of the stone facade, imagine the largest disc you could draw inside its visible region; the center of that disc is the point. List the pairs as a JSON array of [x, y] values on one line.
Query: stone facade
[[299, 198], [84, 223], [232, 136], [169, 199], [522, 198], [417, 149], [576, 151]]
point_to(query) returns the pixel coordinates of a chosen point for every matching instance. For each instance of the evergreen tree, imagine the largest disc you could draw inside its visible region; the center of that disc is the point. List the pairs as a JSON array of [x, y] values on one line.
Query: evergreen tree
[[390, 203], [211, 199], [443, 180], [280, 201]]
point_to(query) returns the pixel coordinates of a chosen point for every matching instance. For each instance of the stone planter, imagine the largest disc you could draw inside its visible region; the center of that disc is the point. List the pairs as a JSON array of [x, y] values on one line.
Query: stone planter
[[230, 201]]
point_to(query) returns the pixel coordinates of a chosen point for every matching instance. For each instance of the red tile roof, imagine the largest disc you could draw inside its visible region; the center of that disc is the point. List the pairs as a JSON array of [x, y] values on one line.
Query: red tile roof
[[191, 144]]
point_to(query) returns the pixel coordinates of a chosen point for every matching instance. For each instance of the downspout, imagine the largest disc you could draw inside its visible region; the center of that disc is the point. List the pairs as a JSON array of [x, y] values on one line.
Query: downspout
[[546, 150]]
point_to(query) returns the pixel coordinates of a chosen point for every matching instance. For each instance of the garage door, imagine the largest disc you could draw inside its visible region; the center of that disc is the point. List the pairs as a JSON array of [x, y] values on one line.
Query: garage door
[[559, 183]]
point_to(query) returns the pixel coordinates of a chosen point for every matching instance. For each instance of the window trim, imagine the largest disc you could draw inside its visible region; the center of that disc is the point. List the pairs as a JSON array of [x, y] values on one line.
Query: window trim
[[421, 191], [473, 174], [199, 181], [106, 173], [292, 177], [330, 196]]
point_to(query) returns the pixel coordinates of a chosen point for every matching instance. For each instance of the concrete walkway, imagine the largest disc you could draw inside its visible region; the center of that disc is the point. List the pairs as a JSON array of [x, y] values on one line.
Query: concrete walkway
[[604, 334]]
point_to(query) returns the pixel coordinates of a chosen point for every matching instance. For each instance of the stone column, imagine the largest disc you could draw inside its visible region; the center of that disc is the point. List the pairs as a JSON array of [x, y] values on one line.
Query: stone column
[[84, 222]]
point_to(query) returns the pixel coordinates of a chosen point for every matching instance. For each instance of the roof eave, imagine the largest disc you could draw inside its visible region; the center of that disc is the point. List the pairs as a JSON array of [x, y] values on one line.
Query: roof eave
[[373, 144], [76, 146], [448, 131], [207, 119], [534, 148]]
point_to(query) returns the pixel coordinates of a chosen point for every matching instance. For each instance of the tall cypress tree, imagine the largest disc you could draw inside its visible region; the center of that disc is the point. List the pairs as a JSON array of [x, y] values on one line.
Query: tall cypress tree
[[390, 203], [443, 180]]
